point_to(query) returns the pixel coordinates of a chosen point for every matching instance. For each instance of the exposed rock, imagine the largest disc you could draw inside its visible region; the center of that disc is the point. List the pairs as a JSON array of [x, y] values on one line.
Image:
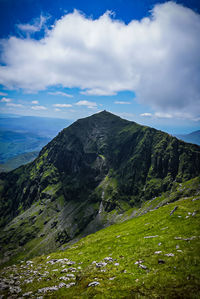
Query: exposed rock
[[3, 286], [72, 269], [15, 290], [72, 276], [185, 239], [161, 261], [196, 199], [112, 278], [64, 278], [143, 267], [169, 254], [61, 285], [102, 264], [108, 259], [139, 262], [116, 264], [47, 289], [69, 285], [93, 284], [27, 294]]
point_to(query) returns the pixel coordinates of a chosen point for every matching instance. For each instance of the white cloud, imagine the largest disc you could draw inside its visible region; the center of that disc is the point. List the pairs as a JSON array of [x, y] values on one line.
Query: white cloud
[[38, 107], [122, 103], [36, 25], [6, 100], [146, 114], [98, 92], [60, 93], [157, 58], [3, 94], [57, 109], [62, 105], [90, 105], [14, 105], [35, 102], [162, 115]]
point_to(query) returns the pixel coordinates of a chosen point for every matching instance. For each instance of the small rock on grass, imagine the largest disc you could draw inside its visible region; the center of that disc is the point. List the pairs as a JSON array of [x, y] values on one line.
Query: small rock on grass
[[169, 254], [27, 294], [139, 262], [143, 267], [116, 264], [161, 261], [157, 252], [93, 284], [112, 278]]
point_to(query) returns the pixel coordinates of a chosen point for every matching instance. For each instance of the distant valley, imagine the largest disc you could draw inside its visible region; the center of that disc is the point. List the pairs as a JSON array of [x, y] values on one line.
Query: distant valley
[[193, 137], [22, 137]]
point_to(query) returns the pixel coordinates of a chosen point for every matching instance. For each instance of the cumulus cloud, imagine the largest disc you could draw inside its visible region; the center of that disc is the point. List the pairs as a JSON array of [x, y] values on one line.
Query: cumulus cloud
[[3, 94], [5, 100], [156, 57], [62, 105], [122, 103], [90, 105], [35, 102], [60, 93], [38, 107]]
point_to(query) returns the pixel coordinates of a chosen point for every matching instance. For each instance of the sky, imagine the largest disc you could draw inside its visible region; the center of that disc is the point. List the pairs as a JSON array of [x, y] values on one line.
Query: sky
[[70, 59]]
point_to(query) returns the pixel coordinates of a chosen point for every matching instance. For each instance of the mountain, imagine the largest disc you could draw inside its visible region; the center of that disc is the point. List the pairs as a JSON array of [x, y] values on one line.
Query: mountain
[[155, 255], [85, 179], [193, 137]]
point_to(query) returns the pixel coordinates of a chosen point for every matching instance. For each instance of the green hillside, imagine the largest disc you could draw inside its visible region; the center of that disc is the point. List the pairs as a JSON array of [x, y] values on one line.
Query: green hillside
[[154, 255]]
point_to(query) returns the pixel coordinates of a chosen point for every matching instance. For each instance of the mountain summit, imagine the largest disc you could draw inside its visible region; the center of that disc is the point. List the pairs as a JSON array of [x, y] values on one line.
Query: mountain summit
[[98, 166]]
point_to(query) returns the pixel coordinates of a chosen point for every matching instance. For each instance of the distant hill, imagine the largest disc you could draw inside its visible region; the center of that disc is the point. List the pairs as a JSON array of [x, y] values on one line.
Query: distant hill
[[193, 137], [20, 135], [18, 161], [43, 126], [14, 143]]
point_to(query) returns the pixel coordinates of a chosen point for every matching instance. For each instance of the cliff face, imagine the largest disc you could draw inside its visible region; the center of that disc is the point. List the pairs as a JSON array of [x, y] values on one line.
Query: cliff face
[[100, 160]]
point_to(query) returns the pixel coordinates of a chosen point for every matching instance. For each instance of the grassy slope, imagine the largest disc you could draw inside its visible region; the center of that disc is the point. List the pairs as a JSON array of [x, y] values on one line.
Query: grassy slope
[[178, 277]]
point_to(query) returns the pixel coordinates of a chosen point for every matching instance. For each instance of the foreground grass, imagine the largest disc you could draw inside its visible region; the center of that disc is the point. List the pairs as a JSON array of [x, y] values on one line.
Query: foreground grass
[[170, 266]]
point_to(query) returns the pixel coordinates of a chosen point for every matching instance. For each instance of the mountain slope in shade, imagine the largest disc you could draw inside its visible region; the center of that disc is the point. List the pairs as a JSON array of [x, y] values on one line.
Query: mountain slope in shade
[[193, 137], [86, 177]]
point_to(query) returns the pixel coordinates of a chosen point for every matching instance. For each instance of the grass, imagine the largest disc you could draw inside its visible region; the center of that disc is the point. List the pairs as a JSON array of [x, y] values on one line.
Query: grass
[[178, 277]]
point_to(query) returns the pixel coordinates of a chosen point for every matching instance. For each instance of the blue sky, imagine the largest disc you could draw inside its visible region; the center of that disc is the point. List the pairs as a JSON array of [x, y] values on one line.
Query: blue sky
[[70, 59]]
